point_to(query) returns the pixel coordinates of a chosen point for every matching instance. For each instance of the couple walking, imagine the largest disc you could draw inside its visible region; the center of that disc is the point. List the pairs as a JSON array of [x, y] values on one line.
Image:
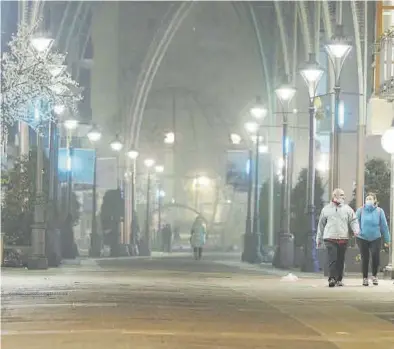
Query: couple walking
[[368, 225]]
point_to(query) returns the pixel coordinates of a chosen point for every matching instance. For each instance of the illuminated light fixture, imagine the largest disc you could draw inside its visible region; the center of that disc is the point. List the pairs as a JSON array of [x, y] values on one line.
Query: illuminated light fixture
[[71, 124], [285, 92], [41, 43], [116, 144], [132, 154], [159, 169], [251, 126], [258, 111], [312, 73], [94, 134], [338, 47], [169, 138], [235, 139], [387, 140], [59, 109], [149, 163]]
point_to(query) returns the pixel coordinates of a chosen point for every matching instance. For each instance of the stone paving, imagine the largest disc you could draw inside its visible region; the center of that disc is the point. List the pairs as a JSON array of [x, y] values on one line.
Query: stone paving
[[175, 302]]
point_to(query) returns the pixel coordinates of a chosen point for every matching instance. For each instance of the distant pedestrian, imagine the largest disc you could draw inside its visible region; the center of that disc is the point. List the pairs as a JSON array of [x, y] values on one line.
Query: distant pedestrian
[[333, 229], [198, 237], [373, 225], [166, 236]]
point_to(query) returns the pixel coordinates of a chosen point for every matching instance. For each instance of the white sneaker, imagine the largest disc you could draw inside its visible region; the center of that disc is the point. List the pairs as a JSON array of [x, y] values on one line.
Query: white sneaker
[[365, 282], [375, 281]]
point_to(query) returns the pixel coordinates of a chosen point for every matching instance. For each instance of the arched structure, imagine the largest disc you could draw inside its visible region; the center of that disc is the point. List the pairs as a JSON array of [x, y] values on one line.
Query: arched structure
[[181, 206]]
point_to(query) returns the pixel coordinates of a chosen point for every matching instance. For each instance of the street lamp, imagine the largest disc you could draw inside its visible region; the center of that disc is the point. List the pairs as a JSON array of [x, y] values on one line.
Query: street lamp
[[133, 155], [41, 43], [38, 258], [338, 48], [169, 138], [252, 242], [388, 145], [71, 124], [235, 139], [311, 73], [159, 169], [285, 94], [94, 135], [149, 163], [59, 109], [251, 127], [117, 146], [258, 111]]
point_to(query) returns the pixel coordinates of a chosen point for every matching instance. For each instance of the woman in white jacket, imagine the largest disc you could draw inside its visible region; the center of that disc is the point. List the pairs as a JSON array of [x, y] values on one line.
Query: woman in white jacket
[[198, 237], [333, 229]]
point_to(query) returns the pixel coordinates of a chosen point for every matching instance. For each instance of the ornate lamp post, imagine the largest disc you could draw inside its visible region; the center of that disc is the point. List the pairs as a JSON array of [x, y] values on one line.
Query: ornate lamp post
[[253, 238], [94, 136], [117, 146], [149, 163], [133, 155], [311, 73], [338, 48], [285, 94]]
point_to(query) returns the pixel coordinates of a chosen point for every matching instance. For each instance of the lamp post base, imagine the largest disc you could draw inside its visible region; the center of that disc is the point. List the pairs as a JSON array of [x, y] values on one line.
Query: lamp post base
[[388, 272], [284, 254], [310, 263], [252, 253], [37, 262]]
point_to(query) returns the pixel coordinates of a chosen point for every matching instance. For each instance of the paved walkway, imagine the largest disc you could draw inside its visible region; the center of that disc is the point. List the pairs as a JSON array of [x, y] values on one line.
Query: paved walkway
[[176, 302]]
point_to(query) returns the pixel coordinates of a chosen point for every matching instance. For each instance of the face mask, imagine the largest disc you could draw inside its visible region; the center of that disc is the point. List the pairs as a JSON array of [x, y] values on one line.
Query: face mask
[[341, 200], [369, 203]]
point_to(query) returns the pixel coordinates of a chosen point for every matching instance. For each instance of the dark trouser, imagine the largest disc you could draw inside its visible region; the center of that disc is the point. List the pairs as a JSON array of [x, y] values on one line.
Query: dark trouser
[[336, 259], [197, 252], [366, 246]]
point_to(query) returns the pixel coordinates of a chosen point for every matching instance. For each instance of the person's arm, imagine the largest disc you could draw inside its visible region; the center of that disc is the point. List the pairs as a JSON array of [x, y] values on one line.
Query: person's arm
[[353, 221], [384, 227], [320, 227]]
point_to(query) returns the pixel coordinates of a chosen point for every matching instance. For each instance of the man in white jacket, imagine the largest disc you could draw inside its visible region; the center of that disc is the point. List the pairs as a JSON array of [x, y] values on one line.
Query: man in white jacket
[[335, 221]]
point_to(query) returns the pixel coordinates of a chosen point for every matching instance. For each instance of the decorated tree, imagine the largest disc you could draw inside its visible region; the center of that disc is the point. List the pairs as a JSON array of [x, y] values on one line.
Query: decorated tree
[[300, 224], [18, 202], [34, 79]]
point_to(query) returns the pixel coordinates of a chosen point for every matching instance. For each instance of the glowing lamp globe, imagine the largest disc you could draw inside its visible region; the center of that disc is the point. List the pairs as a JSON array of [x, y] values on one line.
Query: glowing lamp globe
[[387, 141], [285, 93], [149, 163], [132, 154], [94, 135]]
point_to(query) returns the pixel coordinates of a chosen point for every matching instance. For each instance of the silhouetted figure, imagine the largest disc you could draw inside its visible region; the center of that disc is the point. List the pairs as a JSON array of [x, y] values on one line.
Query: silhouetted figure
[[177, 234], [166, 234]]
